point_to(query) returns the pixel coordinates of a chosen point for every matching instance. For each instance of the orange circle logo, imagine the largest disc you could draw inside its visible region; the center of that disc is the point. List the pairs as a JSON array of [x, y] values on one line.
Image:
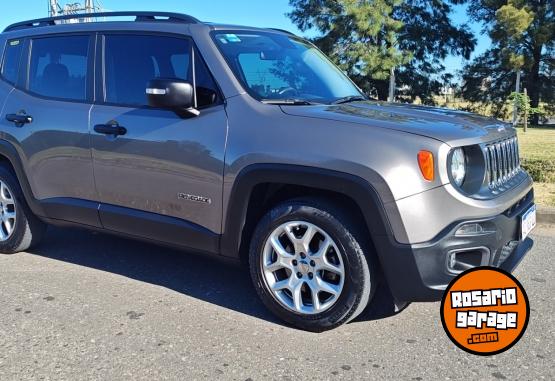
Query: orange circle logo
[[485, 311]]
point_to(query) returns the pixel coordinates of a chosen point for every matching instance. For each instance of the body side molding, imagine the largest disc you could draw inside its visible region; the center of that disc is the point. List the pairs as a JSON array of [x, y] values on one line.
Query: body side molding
[[166, 229]]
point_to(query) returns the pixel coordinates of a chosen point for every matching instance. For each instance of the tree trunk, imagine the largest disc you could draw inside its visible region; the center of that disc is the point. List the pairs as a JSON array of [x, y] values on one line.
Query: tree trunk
[[382, 88], [534, 83], [525, 111]]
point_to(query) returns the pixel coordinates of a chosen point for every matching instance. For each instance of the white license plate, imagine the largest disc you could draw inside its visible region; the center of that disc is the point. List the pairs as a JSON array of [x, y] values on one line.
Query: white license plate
[[528, 222]]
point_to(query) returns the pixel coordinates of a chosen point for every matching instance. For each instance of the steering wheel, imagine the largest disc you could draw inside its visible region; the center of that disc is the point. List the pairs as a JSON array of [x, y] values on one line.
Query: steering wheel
[[288, 90]]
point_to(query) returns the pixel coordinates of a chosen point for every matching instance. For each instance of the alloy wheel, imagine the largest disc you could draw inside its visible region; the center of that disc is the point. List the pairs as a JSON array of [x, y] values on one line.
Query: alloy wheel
[[7, 212], [303, 267]]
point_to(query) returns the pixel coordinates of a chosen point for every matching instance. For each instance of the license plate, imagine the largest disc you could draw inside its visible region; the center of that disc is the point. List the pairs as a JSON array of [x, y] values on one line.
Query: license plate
[[528, 222]]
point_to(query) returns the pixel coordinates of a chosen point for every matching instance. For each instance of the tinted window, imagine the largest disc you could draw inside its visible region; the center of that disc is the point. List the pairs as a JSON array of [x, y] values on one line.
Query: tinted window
[[10, 67], [59, 67], [273, 66], [132, 61]]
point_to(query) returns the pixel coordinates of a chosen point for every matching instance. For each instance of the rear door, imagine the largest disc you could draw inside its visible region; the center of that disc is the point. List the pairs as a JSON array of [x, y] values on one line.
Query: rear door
[[54, 95], [162, 179], [9, 66]]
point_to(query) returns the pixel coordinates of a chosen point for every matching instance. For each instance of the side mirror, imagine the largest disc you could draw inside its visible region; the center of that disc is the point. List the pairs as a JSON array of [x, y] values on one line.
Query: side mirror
[[171, 93]]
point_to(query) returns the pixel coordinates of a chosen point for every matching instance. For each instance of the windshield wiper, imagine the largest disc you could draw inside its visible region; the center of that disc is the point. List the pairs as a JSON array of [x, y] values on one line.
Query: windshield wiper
[[288, 102], [351, 98]]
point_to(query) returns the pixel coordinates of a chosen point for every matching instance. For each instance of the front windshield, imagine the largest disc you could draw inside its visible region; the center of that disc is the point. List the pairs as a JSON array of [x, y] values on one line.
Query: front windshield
[[275, 67]]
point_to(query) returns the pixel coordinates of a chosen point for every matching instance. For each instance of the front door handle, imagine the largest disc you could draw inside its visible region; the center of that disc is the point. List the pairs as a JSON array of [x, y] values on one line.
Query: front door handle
[[111, 128], [19, 119]]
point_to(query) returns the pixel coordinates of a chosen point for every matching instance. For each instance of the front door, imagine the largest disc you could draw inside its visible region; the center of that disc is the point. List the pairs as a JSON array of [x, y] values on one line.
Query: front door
[[159, 176]]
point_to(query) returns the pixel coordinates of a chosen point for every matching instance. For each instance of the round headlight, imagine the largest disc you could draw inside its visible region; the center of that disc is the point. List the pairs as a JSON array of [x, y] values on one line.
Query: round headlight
[[458, 166]]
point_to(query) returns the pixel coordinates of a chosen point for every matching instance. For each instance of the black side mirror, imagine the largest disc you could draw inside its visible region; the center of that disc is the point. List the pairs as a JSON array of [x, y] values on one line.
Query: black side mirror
[[173, 94]]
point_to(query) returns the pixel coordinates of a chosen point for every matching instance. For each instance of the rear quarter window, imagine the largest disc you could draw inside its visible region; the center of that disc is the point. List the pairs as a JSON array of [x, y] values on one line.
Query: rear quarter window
[[11, 59]]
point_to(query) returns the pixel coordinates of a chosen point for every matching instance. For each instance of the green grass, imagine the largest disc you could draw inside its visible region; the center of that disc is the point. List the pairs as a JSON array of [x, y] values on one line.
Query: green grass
[[545, 194], [537, 143], [537, 150]]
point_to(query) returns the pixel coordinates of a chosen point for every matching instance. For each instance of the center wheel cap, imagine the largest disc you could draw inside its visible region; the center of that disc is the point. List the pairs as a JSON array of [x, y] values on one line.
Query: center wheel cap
[[304, 267]]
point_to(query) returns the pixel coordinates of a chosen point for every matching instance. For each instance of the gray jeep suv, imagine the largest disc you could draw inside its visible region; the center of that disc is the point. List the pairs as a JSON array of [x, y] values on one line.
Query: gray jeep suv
[[248, 144]]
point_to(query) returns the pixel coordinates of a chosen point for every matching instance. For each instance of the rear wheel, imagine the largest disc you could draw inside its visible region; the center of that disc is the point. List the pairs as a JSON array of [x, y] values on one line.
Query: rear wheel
[[309, 266], [19, 227]]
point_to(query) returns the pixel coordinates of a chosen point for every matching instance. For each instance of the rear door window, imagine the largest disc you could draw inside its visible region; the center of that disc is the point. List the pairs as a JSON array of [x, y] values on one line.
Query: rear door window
[[59, 67], [12, 57]]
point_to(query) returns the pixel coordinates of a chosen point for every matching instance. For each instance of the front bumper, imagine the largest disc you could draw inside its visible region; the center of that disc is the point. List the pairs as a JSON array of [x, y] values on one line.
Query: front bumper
[[422, 272]]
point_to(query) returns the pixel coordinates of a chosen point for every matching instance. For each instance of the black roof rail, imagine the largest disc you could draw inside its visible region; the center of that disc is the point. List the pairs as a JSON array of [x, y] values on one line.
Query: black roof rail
[[282, 30], [139, 16]]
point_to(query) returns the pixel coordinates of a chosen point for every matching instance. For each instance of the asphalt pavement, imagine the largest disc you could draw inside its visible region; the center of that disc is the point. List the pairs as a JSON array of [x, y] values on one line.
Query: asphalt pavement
[[87, 306]]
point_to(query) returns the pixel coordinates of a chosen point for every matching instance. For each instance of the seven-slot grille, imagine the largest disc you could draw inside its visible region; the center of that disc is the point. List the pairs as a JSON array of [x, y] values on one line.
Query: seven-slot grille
[[502, 161]]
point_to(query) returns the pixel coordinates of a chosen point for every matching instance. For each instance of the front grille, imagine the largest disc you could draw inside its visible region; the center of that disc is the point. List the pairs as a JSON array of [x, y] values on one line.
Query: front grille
[[502, 161]]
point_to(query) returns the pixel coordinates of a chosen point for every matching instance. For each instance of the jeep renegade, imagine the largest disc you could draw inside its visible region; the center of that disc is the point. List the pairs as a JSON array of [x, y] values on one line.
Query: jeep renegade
[[249, 144]]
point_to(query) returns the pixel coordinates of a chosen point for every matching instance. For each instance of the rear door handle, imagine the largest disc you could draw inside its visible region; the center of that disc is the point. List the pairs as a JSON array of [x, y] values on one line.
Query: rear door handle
[[19, 119], [111, 128]]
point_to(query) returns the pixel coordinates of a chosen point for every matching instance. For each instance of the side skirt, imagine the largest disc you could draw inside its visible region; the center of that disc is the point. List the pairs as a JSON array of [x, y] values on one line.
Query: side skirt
[[137, 224]]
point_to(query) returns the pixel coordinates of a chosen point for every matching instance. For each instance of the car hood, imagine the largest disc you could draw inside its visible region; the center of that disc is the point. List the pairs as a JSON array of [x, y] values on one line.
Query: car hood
[[449, 126]]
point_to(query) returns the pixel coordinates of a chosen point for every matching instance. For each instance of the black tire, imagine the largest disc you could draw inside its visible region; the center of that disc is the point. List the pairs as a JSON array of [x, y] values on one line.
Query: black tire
[[358, 260], [28, 230]]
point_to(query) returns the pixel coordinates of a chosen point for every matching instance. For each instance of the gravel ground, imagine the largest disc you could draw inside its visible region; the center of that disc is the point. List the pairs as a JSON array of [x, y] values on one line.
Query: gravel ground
[[89, 306]]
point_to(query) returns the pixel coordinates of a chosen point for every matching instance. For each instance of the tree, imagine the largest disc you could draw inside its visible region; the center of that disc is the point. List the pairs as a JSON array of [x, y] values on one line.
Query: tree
[[523, 35], [367, 38], [522, 103]]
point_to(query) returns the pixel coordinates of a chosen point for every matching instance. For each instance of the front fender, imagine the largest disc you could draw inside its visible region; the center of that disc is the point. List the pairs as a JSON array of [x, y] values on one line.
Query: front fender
[[371, 203]]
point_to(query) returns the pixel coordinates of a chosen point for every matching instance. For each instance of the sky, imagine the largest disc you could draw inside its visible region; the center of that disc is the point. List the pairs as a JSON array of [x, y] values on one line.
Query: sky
[[259, 13]]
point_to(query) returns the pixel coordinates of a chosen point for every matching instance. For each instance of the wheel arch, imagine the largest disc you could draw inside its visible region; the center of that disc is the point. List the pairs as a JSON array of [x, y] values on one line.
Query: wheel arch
[[10, 156], [354, 189]]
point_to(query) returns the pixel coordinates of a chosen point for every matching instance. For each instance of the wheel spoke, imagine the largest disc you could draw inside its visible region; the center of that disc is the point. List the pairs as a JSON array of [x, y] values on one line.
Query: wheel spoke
[[280, 285], [307, 238], [283, 257], [323, 249], [301, 245], [5, 194], [9, 226], [322, 285], [280, 263], [272, 267], [288, 229], [278, 248], [297, 297], [324, 264], [315, 300], [9, 215]]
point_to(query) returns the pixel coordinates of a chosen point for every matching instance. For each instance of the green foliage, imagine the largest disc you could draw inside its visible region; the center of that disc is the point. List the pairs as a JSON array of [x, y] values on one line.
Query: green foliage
[[511, 21], [541, 170], [366, 38], [522, 103], [359, 36], [537, 151], [523, 35]]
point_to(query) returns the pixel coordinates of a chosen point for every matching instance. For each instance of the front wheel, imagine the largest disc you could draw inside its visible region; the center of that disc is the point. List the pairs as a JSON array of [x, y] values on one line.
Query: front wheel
[[309, 266]]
